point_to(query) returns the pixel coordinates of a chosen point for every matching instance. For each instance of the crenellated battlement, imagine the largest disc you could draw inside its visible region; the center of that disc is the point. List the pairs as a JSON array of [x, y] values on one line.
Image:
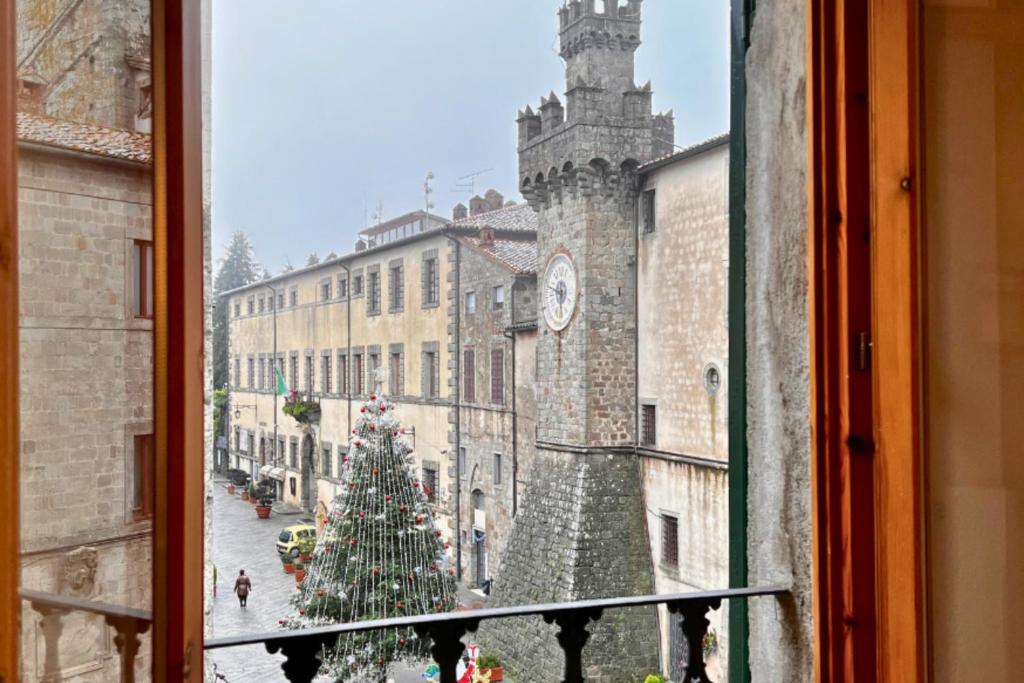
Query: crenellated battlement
[[606, 122]]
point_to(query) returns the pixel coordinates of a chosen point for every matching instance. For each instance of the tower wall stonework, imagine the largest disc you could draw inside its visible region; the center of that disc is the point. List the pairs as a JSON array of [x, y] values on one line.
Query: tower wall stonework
[[581, 530]]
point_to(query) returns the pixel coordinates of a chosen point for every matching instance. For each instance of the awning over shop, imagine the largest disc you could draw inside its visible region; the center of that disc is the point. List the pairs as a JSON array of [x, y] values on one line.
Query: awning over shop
[[265, 471], [277, 473]]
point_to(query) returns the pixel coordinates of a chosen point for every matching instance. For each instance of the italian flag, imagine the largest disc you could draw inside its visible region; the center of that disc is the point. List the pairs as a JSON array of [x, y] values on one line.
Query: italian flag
[[282, 388]]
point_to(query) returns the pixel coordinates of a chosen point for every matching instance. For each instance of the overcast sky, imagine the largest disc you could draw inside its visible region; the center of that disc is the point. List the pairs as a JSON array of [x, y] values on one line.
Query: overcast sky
[[323, 108]]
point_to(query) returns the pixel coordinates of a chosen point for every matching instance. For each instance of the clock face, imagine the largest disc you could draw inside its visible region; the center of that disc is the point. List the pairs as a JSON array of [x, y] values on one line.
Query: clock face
[[559, 293]]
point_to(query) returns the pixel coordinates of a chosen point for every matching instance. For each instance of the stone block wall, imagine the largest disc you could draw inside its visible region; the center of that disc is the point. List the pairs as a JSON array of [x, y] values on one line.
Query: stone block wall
[[86, 391], [579, 535]]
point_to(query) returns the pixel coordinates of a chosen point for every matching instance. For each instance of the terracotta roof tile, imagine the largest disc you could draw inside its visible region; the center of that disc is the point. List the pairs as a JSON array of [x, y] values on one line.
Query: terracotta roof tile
[[519, 256], [515, 217], [80, 137]]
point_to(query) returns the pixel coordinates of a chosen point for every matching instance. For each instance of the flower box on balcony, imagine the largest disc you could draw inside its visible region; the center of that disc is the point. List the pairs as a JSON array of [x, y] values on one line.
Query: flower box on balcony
[[304, 412]]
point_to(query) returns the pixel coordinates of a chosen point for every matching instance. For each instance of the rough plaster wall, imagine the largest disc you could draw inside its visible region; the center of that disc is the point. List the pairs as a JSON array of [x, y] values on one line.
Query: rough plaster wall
[[781, 645]]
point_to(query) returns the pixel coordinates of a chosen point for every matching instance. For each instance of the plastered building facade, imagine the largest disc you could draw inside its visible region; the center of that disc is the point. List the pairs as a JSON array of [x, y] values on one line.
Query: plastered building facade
[[341, 336]]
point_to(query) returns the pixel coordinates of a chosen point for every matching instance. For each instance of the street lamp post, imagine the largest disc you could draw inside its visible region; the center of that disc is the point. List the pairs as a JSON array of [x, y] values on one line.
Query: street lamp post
[[273, 363]]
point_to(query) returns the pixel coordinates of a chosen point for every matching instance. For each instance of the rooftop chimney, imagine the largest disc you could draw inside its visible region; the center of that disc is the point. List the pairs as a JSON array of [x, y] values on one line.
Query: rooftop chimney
[[460, 212]]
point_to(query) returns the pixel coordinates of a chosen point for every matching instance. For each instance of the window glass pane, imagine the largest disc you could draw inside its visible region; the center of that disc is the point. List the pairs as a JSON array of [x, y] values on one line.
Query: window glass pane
[[973, 102], [513, 343], [85, 226]]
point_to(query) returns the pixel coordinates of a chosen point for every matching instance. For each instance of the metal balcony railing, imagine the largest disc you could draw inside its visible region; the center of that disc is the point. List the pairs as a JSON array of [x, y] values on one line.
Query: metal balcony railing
[[303, 649], [127, 621]]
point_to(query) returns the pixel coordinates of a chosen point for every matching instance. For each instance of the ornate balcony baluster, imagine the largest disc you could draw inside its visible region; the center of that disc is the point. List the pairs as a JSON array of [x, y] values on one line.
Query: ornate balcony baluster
[[572, 636], [302, 655], [51, 620], [447, 643], [695, 628], [127, 642]]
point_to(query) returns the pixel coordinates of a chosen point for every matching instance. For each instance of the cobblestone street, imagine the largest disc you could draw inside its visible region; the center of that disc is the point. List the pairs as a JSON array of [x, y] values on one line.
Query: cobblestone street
[[241, 541]]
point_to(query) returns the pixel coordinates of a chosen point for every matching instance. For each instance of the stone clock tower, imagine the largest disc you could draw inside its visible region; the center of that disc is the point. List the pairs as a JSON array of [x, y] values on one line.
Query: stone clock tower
[[580, 532]]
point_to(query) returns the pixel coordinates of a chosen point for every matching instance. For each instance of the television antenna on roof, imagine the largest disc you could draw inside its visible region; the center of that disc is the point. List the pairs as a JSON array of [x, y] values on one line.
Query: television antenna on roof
[[467, 183]]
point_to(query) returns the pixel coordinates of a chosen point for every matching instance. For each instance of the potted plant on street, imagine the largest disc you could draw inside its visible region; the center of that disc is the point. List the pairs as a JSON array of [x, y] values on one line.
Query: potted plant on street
[[244, 495], [254, 496], [488, 663], [306, 546], [288, 562], [263, 507], [304, 412], [231, 489], [300, 572]]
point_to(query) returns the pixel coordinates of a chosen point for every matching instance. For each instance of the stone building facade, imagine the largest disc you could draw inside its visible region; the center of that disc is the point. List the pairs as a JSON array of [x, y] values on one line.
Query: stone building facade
[[85, 208], [682, 369], [382, 319], [496, 414], [86, 61]]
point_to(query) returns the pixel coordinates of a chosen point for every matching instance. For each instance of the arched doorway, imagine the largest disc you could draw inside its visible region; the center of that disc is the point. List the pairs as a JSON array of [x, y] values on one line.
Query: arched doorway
[[308, 473], [479, 538]]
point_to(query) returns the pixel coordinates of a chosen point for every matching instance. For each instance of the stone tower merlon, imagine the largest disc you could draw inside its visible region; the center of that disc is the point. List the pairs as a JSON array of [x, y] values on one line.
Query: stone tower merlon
[[599, 43], [607, 126]]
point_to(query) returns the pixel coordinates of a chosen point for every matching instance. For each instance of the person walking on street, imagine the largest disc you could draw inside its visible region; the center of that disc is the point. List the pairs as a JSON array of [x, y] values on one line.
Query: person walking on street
[[243, 586]]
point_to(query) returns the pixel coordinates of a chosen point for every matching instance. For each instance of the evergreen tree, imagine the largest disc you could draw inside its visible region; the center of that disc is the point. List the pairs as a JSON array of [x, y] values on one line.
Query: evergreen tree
[[379, 555], [237, 268], [312, 259]]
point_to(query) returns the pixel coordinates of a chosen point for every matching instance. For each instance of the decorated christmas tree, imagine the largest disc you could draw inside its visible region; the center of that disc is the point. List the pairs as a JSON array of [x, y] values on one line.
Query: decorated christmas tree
[[378, 556]]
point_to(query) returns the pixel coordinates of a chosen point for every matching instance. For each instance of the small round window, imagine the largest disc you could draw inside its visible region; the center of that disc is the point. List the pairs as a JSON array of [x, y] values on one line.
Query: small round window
[[712, 378]]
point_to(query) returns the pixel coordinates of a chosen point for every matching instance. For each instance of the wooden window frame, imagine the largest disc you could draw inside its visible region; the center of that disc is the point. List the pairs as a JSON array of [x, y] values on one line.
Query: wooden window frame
[[498, 376], [867, 483], [145, 278], [142, 477], [469, 375]]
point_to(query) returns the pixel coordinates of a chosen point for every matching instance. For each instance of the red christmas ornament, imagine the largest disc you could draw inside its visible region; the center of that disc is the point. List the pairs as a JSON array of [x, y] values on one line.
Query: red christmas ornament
[[376, 471], [351, 484], [351, 541], [320, 594], [387, 497], [439, 533], [373, 428], [411, 578], [433, 567], [373, 397], [394, 433], [362, 515], [416, 484], [380, 661], [358, 443], [401, 641], [327, 549], [382, 406], [353, 431], [447, 546], [301, 611], [401, 508], [280, 621], [344, 458], [452, 572], [363, 409], [419, 518], [440, 608], [399, 605]]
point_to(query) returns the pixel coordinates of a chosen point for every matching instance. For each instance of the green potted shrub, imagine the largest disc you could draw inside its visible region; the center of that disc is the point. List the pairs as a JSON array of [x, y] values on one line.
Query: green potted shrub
[[488, 662], [244, 495], [288, 562], [305, 546], [254, 496], [263, 507], [655, 678]]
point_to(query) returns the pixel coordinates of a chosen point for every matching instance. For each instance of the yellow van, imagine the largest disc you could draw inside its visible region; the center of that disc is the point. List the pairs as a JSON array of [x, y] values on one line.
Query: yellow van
[[288, 540]]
